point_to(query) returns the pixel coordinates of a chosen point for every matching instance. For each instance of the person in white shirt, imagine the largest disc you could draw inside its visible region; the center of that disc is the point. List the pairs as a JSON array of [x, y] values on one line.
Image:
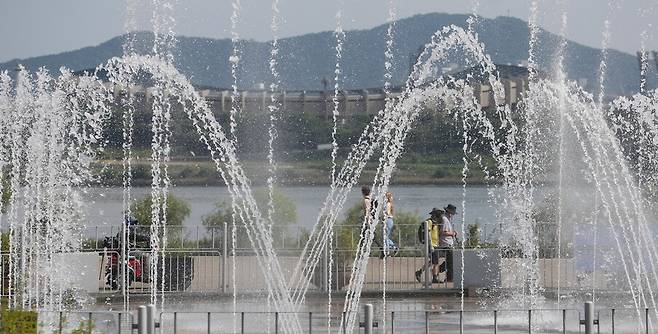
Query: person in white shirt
[[388, 242], [447, 240]]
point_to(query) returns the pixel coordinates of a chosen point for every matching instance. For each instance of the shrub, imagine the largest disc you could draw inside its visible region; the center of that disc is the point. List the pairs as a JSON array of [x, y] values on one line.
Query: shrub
[[473, 238], [6, 192], [141, 172], [18, 322], [440, 173]]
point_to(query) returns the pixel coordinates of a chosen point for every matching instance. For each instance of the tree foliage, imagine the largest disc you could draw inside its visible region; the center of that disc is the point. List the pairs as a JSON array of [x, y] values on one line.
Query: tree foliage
[[297, 132], [177, 210], [284, 216], [285, 210]]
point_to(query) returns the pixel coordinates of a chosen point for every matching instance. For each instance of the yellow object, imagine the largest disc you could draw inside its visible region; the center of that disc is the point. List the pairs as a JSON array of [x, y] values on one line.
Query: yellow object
[[434, 232]]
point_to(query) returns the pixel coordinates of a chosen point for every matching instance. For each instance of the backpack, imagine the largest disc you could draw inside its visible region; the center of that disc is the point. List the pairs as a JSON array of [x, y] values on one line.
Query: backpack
[[421, 232], [373, 208]]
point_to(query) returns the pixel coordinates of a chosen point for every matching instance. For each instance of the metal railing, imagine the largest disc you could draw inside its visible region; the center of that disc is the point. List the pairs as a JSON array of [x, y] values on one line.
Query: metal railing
[[179, 237], [243, 322], [588, 320], [110, 274], [283, 237], [187, 237], [403, 235], [184, 271], [565, 321], [119, 322], [207, 249]]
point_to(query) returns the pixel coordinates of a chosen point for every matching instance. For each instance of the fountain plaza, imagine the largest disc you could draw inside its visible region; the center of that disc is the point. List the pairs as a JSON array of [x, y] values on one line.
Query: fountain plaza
[[563, 166]]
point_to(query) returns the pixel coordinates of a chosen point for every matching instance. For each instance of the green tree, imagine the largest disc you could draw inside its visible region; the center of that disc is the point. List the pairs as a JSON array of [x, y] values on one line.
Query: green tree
[[285, 210], [177, 210], [220, 215], [284, 216]]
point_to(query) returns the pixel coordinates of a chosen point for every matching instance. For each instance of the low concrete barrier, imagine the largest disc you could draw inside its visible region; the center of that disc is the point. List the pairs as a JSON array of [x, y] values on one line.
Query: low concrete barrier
[[484, 268]]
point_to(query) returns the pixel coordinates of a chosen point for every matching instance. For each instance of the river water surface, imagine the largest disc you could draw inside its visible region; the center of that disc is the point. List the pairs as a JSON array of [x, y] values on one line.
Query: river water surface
[[104, 205]]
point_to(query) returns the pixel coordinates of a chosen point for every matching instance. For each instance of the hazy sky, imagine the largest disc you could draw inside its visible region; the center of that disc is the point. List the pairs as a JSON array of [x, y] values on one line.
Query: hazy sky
[[37, 27]]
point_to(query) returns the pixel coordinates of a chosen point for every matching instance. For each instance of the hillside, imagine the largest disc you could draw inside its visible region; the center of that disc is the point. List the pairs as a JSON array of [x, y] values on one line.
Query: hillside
[[306, 59]]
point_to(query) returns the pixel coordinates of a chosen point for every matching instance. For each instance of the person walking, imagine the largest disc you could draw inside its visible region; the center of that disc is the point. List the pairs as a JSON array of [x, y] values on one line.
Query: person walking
[[369, 208], [447, 241], [389, 244], [366, 204], [433, 224]]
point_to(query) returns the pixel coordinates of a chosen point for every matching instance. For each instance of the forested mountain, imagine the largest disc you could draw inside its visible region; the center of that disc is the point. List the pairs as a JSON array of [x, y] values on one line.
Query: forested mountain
[[307, 59]]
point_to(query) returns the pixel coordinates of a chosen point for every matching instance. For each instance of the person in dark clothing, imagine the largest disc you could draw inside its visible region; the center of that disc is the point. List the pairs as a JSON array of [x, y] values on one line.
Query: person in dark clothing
[[369, 212]]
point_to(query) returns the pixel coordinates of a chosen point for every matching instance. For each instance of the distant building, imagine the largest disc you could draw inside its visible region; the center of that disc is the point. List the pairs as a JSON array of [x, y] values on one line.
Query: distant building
[[514, 79], [352, 102]]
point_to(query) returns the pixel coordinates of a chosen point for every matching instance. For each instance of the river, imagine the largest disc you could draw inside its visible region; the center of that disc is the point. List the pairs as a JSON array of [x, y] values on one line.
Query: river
[[104, 205]]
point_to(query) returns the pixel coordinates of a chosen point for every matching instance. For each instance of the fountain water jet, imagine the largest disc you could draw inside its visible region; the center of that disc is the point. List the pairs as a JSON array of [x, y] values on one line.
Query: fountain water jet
[[54, 134]]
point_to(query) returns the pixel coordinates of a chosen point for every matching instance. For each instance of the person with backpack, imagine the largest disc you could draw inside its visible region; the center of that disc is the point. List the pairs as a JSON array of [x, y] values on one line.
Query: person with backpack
[[447, 238], [369, 212], [434, 228], [365, 192]]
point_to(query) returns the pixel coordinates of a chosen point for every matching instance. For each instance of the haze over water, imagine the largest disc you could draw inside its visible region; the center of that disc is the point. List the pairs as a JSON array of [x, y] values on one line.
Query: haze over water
[[105, 206]]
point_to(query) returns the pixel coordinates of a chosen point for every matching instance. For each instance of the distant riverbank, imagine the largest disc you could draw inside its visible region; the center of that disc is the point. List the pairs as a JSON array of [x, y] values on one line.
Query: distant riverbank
[[300, 173]]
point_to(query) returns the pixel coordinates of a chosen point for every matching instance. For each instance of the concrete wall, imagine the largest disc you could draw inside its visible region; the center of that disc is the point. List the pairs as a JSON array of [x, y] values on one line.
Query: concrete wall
[[78, 271], [399, 273], [485, 269], [482, 268]]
